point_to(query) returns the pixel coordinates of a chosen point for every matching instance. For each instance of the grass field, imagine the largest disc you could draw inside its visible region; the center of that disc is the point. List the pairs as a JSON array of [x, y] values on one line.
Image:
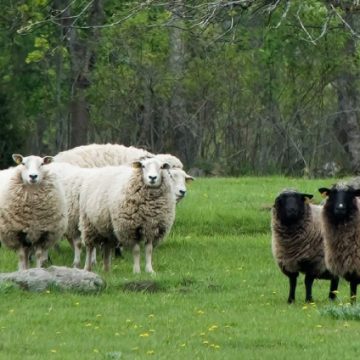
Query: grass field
[[218, 293]]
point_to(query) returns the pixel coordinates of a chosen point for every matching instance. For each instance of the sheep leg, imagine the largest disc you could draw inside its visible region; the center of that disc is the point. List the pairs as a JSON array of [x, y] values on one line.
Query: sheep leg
[[148, 258], [40, 257], [334, 284], [107, 257], [292, 282], [93, 257], [136, 256], [309, 280], [76, 245], [89, 254], [23, 254], [353, 290]]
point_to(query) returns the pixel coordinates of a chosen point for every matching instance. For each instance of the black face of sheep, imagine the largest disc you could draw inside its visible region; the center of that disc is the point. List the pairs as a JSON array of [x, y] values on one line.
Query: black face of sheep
[[341, 202], [290, 207]]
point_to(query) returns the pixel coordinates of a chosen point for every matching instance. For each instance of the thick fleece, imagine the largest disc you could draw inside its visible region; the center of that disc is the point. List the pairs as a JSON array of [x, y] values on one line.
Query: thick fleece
[[31, 216], [117, 206], [299, 247]]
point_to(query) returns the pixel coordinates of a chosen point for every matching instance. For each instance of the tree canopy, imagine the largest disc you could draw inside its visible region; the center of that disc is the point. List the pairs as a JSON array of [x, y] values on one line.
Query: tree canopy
[[231, 87]]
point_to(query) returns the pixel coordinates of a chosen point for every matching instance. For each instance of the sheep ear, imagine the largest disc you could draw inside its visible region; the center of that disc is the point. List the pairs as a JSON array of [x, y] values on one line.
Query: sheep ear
[[165, 166], [188, 178], [357, 192], [47, 160], [137, 164], [17, 158], [307, 196], [324, 192]]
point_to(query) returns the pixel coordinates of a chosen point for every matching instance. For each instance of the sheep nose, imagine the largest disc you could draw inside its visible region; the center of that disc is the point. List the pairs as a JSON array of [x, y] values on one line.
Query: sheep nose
[[182, 192], [33, 177], [152, 178]]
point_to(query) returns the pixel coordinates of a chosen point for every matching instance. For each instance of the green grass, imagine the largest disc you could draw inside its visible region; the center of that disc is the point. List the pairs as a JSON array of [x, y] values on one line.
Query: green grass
[[217, 294]]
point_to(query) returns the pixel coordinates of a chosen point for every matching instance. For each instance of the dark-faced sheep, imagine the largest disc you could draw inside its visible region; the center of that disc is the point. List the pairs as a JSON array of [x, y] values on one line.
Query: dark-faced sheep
[[297, 242], [341, 229]]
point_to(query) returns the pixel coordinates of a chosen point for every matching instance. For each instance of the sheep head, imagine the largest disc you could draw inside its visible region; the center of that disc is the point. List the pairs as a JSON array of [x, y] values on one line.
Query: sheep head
[[290, 206], [151, 169], [179, 179], [31, 167], [341, 202]]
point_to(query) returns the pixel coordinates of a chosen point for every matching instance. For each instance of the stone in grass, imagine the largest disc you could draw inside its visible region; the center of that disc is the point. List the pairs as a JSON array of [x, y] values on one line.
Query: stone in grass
[[58, 277]]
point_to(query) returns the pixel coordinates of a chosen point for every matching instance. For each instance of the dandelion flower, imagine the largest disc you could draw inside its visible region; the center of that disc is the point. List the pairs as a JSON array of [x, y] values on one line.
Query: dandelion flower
[[144, 334], [150, 352], [53, 350]]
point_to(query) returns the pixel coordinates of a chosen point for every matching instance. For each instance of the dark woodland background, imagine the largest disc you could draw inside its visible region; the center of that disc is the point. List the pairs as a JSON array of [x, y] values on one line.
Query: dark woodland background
[[231, 87]]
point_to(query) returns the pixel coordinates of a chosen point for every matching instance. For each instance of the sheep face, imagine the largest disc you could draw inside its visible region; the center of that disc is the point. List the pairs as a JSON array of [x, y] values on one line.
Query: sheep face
[[151, 171], [31, 167], [290, 207], [179, 179], [341, 202]]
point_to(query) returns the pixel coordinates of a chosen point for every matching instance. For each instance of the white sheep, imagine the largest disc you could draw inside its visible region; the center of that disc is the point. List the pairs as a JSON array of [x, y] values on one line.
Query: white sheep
[[127, 204], [33, 209], [71, 178], [99, 155]]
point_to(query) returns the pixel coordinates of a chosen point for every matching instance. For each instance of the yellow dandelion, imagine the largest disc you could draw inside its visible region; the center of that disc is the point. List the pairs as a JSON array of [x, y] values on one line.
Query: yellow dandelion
[[346, 324], [53, 350], [128, 321], [96, 328], [98, 315], [200, 312], [335, 291], [77, 303], [318, 326], [151, 316], [117, 334], [95, 350], [183, 345], [217, 346], [47, 291], [274, 292], [144, 334], [152, 330], [11, 311], [227, 326], [202, 334], [150, 352], [304, 307], [135, 326], [58, 332], [205, 342], [88, 324], [213, 327]]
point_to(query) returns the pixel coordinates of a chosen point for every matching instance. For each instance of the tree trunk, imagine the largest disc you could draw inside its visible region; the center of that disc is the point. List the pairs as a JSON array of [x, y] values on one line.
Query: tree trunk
[[82, 54], [183, 132], [347, 127]]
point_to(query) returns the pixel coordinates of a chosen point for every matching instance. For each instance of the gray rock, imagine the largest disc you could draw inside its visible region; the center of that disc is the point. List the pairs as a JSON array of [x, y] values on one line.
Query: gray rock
[[59, 277]]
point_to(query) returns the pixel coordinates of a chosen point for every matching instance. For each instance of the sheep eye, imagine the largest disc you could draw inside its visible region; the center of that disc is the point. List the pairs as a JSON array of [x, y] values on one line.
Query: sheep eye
[[23, 163]]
